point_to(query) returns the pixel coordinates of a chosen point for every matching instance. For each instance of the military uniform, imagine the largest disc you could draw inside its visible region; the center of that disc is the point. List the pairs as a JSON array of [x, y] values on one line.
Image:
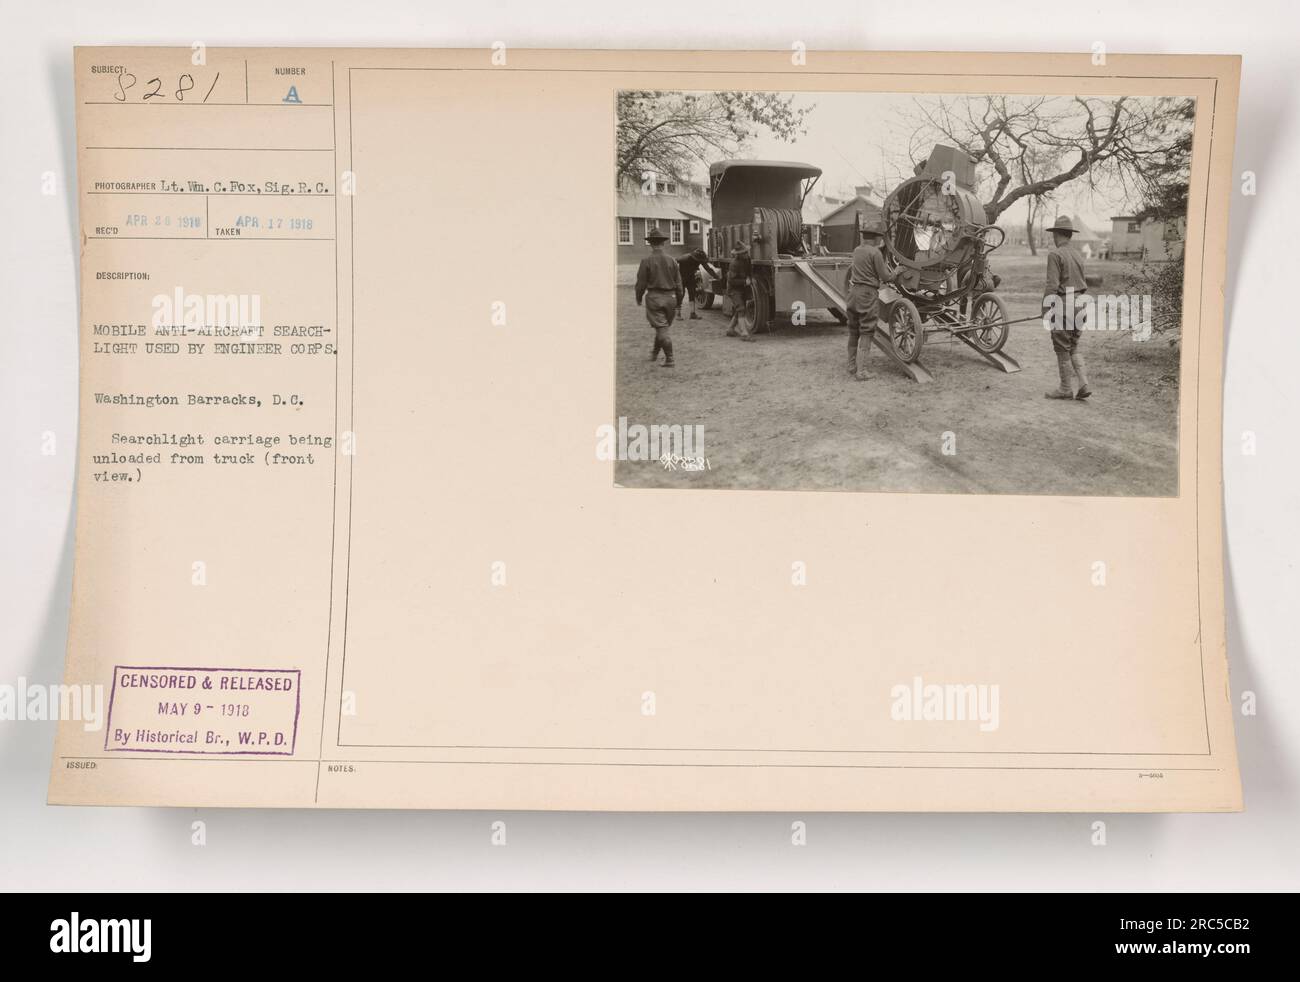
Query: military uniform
[[1064, 274], [739, 271], [867, 274], [659, 284], [1063, 310], [689, 267]]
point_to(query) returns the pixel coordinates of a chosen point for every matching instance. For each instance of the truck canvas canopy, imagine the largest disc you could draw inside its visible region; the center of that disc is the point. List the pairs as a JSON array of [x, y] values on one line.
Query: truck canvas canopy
[[738, 186]]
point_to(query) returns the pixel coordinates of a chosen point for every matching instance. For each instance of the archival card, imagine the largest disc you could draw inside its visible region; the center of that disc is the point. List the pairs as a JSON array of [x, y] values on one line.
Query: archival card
[[645, 430]]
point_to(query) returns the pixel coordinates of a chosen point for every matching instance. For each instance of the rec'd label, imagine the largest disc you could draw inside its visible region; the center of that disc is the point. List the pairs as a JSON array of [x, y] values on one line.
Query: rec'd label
[[163, 710]]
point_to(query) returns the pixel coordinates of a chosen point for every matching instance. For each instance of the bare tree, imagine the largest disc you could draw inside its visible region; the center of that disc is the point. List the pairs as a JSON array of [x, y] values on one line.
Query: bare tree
[[1036, 144], [669, 133], [1033, 165]]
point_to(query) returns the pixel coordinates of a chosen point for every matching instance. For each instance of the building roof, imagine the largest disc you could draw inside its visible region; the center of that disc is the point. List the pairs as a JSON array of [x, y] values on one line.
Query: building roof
[[629, 204], [858, 201], [694, 210], [816, 207]]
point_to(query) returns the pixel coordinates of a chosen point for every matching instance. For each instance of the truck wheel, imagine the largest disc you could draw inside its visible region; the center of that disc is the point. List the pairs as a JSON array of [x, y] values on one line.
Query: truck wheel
[[906, 332], [990, 312], [705, 299], [758, 309]]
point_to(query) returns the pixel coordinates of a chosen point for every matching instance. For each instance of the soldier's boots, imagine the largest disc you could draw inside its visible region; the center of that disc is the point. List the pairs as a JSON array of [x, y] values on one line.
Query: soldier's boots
[[668, 354], [1066, 371], [853, 360], [862, 374], [1076, 361]]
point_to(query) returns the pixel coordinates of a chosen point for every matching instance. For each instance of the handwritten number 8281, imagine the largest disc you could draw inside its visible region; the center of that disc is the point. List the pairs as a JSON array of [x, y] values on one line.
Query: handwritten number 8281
[[184, 83]]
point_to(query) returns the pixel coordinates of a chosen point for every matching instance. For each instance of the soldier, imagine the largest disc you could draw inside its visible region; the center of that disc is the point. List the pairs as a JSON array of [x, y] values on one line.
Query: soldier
[[866, 275], [689, 266], [738, 273], [1066, 285], [659, 283]]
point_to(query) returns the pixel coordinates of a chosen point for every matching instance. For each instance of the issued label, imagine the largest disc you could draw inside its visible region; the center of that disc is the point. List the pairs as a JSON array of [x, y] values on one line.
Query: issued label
[[203, 710]]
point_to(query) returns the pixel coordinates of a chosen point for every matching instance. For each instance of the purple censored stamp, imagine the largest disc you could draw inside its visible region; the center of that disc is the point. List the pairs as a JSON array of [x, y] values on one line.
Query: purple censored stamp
[[165, 710]]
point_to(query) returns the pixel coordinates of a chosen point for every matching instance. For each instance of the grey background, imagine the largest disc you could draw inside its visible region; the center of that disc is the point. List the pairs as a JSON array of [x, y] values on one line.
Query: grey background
[[44, 848]]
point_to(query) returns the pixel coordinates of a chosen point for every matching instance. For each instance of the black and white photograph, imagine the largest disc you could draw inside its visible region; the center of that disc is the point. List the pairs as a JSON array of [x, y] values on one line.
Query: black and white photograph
[[970, 293]]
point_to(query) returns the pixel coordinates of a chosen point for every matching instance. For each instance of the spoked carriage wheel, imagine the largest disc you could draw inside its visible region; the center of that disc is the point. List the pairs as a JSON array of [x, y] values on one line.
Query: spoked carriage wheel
[[705, 299], [990, 313], [906, 333], [758, 309]]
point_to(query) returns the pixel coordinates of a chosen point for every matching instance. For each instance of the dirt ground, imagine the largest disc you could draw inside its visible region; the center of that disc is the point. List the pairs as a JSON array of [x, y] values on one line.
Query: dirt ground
[[783, 413]]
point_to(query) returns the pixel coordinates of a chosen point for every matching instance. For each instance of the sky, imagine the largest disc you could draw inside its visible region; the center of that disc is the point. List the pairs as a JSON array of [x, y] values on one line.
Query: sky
[[863, 137]]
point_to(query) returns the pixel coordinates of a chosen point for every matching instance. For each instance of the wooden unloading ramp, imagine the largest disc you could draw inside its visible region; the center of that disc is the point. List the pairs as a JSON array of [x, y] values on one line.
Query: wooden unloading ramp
[[997, 359], [915, 370]]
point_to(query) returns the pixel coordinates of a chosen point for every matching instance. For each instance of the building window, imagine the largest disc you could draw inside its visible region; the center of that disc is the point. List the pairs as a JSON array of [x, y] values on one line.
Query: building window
[[665, 187], [1134, 227], [625, 231], [675, 233], [695, 227]]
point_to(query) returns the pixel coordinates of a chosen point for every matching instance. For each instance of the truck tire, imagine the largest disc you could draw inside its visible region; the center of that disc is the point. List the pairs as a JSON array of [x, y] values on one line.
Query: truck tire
[[758, 308]]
